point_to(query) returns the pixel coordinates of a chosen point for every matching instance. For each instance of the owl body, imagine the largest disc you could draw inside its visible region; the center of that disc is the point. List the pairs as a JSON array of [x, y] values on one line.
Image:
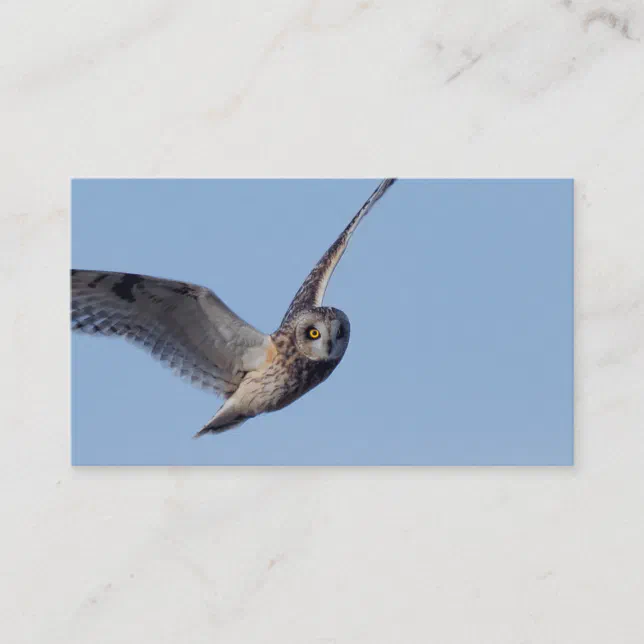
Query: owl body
[[188, 328], [288, 371], [298, 371]]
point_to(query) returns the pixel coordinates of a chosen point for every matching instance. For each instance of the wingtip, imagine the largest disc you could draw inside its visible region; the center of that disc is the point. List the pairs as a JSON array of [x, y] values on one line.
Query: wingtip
[[387, 183], [383, 186]]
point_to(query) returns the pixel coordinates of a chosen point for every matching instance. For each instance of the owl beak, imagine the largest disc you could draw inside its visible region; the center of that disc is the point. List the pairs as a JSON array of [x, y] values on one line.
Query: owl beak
[[329, 346]]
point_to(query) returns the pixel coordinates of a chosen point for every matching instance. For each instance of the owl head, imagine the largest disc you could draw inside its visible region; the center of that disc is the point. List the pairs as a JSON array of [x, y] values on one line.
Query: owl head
[[322, 333]]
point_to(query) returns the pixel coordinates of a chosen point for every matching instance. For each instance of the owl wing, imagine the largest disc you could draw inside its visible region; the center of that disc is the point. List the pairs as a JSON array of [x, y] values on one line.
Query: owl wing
[[185, 326], [311, 293]]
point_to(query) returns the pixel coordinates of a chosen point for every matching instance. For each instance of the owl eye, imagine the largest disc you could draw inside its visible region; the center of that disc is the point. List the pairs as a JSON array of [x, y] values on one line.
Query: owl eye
[[340, 333], [313, 333]]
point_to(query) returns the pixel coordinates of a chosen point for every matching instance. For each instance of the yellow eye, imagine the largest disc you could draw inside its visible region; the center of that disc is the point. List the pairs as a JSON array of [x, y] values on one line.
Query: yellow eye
[[314, 334]]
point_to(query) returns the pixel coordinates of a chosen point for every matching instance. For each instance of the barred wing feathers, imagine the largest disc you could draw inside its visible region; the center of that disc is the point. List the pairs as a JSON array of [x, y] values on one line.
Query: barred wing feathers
[[185, 326]]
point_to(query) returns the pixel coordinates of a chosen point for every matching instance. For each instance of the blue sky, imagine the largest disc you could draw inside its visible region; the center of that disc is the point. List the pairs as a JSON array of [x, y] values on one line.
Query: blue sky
[[459, 292]]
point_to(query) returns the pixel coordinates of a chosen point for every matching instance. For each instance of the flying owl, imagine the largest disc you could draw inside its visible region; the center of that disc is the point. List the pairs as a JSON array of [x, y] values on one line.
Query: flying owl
[[189, 329]]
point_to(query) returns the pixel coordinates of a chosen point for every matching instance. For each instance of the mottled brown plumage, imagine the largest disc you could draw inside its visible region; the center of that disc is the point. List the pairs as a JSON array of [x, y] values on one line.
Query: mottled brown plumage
[[188, 328]]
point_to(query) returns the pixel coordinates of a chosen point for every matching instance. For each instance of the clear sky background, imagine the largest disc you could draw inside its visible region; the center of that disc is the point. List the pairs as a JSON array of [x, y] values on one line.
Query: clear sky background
[[459, 292]]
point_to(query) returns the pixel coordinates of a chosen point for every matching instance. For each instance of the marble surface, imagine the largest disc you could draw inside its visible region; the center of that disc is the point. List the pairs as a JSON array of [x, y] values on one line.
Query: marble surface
[[311, 88]]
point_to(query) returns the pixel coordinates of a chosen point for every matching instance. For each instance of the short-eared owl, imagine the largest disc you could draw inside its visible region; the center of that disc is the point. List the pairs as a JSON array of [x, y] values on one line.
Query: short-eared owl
[[188, 328]]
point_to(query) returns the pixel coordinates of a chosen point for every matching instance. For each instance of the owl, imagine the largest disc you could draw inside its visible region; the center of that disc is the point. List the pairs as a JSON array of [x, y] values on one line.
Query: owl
[[189, 329]]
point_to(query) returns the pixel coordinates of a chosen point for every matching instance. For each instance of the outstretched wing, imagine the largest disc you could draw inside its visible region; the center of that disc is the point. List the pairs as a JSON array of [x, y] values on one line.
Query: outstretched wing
[[312, 291], [185, 326]]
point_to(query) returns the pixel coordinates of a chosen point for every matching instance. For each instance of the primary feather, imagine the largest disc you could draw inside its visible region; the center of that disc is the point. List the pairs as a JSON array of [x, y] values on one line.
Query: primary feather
[[312, 291], [185, 326]]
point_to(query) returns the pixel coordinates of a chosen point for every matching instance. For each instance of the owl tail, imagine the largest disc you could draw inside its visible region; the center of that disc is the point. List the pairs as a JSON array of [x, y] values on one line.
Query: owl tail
[[223, 420]]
